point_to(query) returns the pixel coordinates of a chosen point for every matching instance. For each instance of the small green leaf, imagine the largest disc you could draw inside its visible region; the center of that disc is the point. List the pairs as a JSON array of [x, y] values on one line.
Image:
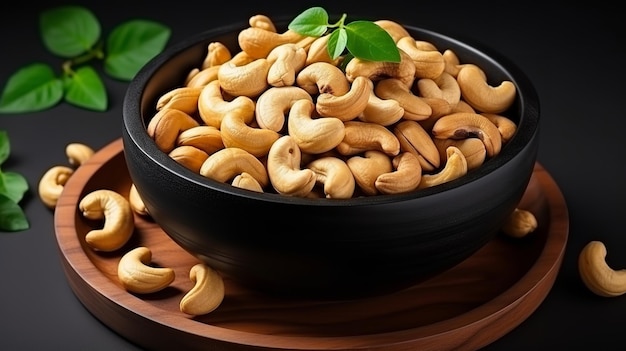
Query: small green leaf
[[131, 45], [68, 31], [15, 185], [312, 22], [5, 146], [85, 89], [31, 88], [12, 218], [368, 41], [337, 43]]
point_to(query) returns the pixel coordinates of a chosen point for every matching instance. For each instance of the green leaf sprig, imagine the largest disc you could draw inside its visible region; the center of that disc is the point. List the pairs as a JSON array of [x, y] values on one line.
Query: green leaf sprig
[[362, 39], [74, 33], [13, 186]]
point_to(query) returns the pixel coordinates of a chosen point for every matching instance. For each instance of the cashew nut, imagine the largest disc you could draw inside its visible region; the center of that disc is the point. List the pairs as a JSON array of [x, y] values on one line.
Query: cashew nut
[[461, 125], [246, 181], [136, 202], [597, 275], [482, 96], [78, 153], [428, 63], [136, 275], [404, 71], [323, 77], [203, 137], [362, 136], [165, 126], [395, 29], [415, 108], [472, 148], [244, 79], [189, 157], [348, 106], [212, 106], [367, 168], [505, 125], [335, 175], [455, 167], [415, 139], [225, 164], [283, 167], [52, 183], [286, 61], [313, 135], [207, 293], [318, 52], [203, 77], [381, 111], [258, 42], [520, 223], [263, 22], [236, 132], [444, 87], [274, 104], [184, 99], [406, 177], [118, 218], [217, 53]]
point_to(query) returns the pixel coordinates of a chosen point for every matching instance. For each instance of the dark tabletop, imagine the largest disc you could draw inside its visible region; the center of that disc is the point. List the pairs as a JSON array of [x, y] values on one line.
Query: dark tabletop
[[573, 56]]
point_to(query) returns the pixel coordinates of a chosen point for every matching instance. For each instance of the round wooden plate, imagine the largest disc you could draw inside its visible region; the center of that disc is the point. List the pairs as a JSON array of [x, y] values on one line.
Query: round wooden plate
[[465, 308]]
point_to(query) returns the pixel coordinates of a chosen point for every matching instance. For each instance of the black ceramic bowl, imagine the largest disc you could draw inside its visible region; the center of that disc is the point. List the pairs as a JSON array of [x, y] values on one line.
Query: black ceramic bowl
[[323, 248]]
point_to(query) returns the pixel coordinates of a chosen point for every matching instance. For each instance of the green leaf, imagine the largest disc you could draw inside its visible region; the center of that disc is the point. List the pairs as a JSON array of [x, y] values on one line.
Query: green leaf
[[15, 185], [69, 31], [12, 218], [337, 43], [131, 45], [312, 22], [31, 88], [368, 41], [84, 88], [5, 146]]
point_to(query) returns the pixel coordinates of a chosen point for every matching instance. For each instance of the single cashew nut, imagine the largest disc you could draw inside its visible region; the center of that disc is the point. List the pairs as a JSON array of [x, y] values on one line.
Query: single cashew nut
[[286, 61], [596, 274], [349, 105], [428, 63], [444, 87], [505, 125], [323, 77], [217, 53], [136, 202], [318, 52], [406, 177], [273, 105], [415, 108], [212, 106], [472, 148], [263, 22], [404, 71], [184, 99], [367, 168], [207, 293], [283, 167], [335, 175], [224, 165], [415, 139], [381, 111], [395, 29], [362, 136], [482, 96], [189, 157], [313, 135], [78, 153], [165, 126], [246, 181], [455, 167], [236, 132], [118, 218], [203, 137], [202, 77], [465, 125], [520, 223], [258, 42], [136, 275], [247, 79], [52, 183]]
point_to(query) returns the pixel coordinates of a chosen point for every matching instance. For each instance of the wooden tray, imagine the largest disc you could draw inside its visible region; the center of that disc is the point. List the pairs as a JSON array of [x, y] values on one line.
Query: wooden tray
[[465, 308]]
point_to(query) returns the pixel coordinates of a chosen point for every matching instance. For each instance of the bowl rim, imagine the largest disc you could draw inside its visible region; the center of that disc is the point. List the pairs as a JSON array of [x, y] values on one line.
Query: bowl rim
[[135, 129]]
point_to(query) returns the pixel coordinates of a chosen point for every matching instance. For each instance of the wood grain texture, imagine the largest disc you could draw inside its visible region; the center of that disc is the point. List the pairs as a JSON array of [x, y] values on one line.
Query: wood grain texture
[[465, 308]]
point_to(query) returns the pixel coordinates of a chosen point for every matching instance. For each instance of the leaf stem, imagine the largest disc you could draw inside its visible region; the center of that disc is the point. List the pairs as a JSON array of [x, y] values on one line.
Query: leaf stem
[[340, 23], [94, 53]]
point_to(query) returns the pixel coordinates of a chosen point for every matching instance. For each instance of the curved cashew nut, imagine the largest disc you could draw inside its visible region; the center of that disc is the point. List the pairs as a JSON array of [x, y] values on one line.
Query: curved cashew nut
[[246, 79], [274, 104], [367, 168], [236, 132], [286, 61], [428, 63], [444, 87], [347, 106], [202, 77], [52, 183], [406, 177], [136, 202], [415, 139], [596, 274], [183, 98], [505, 125], [212, 107], [453, 64], [415, 108], [313, 135], [165, 126], [381, 111], [455, 167], [246, 181], [464, 125], [263, 22], [395, 29], [362, 136], [207, 293], [136, 275], [403, 71], [227, 163], [323, 77], [335, 175], [283, 167], [217, 53], [472, 148], [520, 223], [189, 157], [482, 96], [203, 137], [118, 218], [258, 42], [78, 153]]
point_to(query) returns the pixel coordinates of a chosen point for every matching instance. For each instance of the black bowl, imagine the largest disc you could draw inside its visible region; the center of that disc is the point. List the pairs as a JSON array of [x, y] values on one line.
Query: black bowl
[[323, 248]]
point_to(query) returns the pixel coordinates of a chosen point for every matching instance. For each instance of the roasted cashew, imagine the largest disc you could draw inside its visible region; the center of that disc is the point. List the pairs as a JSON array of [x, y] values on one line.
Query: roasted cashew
[[283, 167], [224, 165], [136, 275], [236, 132], [244, 79], [183, 98], [505, 125], [212, 106], [318, 52], [463, 106], [347, 106], [52, 183], [520, 223], [482, 96], [406, 177], [453, 64], [207, 293], [444, 87], [381, 111], [258, 42], [217, 53], [202, 77], [203, 137], [136, 202], [415, 108], [472, 148], [313, 135], [263, 22], [189, 157], [597, 275], [118, 218], [273, 105], [286, 61], [395, 30], [165, 126], [362, 136], [367, 168], [78, 153], [404, 71], [246, 181], [323, 77], [465, 125], [415, 139], [428, 63], [455, 167], [335, 175]]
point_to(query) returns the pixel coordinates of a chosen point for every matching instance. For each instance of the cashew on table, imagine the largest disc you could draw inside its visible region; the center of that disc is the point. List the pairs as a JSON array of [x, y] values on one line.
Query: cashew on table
[[597, 275]]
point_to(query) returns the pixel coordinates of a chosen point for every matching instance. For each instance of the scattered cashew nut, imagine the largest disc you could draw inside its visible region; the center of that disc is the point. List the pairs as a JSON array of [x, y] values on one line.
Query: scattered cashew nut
[[207, 293], [520, 223], [118, 219], [596, 273], [136, 275], [78, 153], [52, 183]]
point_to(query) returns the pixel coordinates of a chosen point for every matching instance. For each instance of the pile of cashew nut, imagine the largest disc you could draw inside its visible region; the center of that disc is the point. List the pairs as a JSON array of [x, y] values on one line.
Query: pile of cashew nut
[[281, 116]]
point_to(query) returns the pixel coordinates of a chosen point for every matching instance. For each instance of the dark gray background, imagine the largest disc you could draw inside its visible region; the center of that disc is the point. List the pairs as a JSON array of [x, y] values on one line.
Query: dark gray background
[[573, 55]]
